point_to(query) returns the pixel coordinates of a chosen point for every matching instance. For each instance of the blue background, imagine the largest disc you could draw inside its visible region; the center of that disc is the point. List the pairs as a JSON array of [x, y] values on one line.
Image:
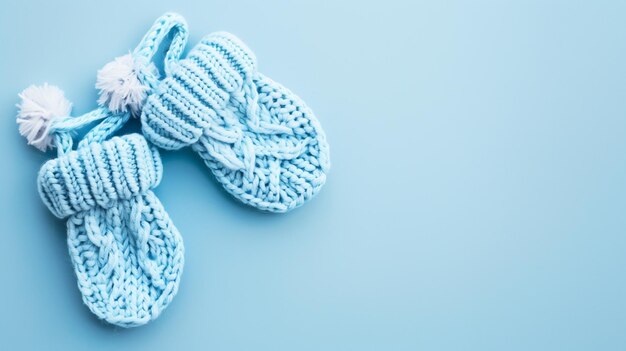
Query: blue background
[[476, 199]]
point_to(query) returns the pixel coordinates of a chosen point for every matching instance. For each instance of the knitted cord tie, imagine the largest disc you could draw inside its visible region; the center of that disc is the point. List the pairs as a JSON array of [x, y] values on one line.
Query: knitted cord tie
[[259, 139]]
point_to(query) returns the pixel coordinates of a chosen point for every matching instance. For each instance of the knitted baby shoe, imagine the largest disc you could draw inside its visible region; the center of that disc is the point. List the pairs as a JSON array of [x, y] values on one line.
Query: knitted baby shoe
[[126, 252], [259, 139]]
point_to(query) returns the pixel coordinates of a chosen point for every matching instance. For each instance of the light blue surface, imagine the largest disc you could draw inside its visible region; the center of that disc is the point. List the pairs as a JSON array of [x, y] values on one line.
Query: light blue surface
[[476, 199]]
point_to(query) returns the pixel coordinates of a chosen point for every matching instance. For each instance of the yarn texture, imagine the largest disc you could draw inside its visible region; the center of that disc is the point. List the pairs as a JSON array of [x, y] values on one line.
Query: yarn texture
[[260, 140], [127, 254]]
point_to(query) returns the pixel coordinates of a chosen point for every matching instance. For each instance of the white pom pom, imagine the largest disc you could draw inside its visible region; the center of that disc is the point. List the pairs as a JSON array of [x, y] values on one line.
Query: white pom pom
[[39, 107], [121, 89]]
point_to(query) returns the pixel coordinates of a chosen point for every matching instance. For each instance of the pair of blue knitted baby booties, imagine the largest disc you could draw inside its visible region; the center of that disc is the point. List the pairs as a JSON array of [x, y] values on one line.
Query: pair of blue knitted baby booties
[[262, 143]]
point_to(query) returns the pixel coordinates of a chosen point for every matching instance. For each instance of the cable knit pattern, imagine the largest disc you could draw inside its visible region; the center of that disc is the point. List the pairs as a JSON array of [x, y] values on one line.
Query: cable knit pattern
[[126, 252], [259, 139]]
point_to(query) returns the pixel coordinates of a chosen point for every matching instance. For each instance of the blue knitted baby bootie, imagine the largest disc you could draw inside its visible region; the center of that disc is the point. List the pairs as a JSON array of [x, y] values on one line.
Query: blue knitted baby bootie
[[259, 139], [126, 252]]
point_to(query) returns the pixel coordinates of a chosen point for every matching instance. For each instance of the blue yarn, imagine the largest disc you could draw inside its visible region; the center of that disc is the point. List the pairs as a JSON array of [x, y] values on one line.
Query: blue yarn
[[126, 252], [261, 141]]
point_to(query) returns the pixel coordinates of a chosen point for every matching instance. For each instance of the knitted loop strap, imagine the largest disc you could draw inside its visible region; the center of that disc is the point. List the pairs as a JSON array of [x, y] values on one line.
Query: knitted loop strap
[[169, 22], [259, 139]]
